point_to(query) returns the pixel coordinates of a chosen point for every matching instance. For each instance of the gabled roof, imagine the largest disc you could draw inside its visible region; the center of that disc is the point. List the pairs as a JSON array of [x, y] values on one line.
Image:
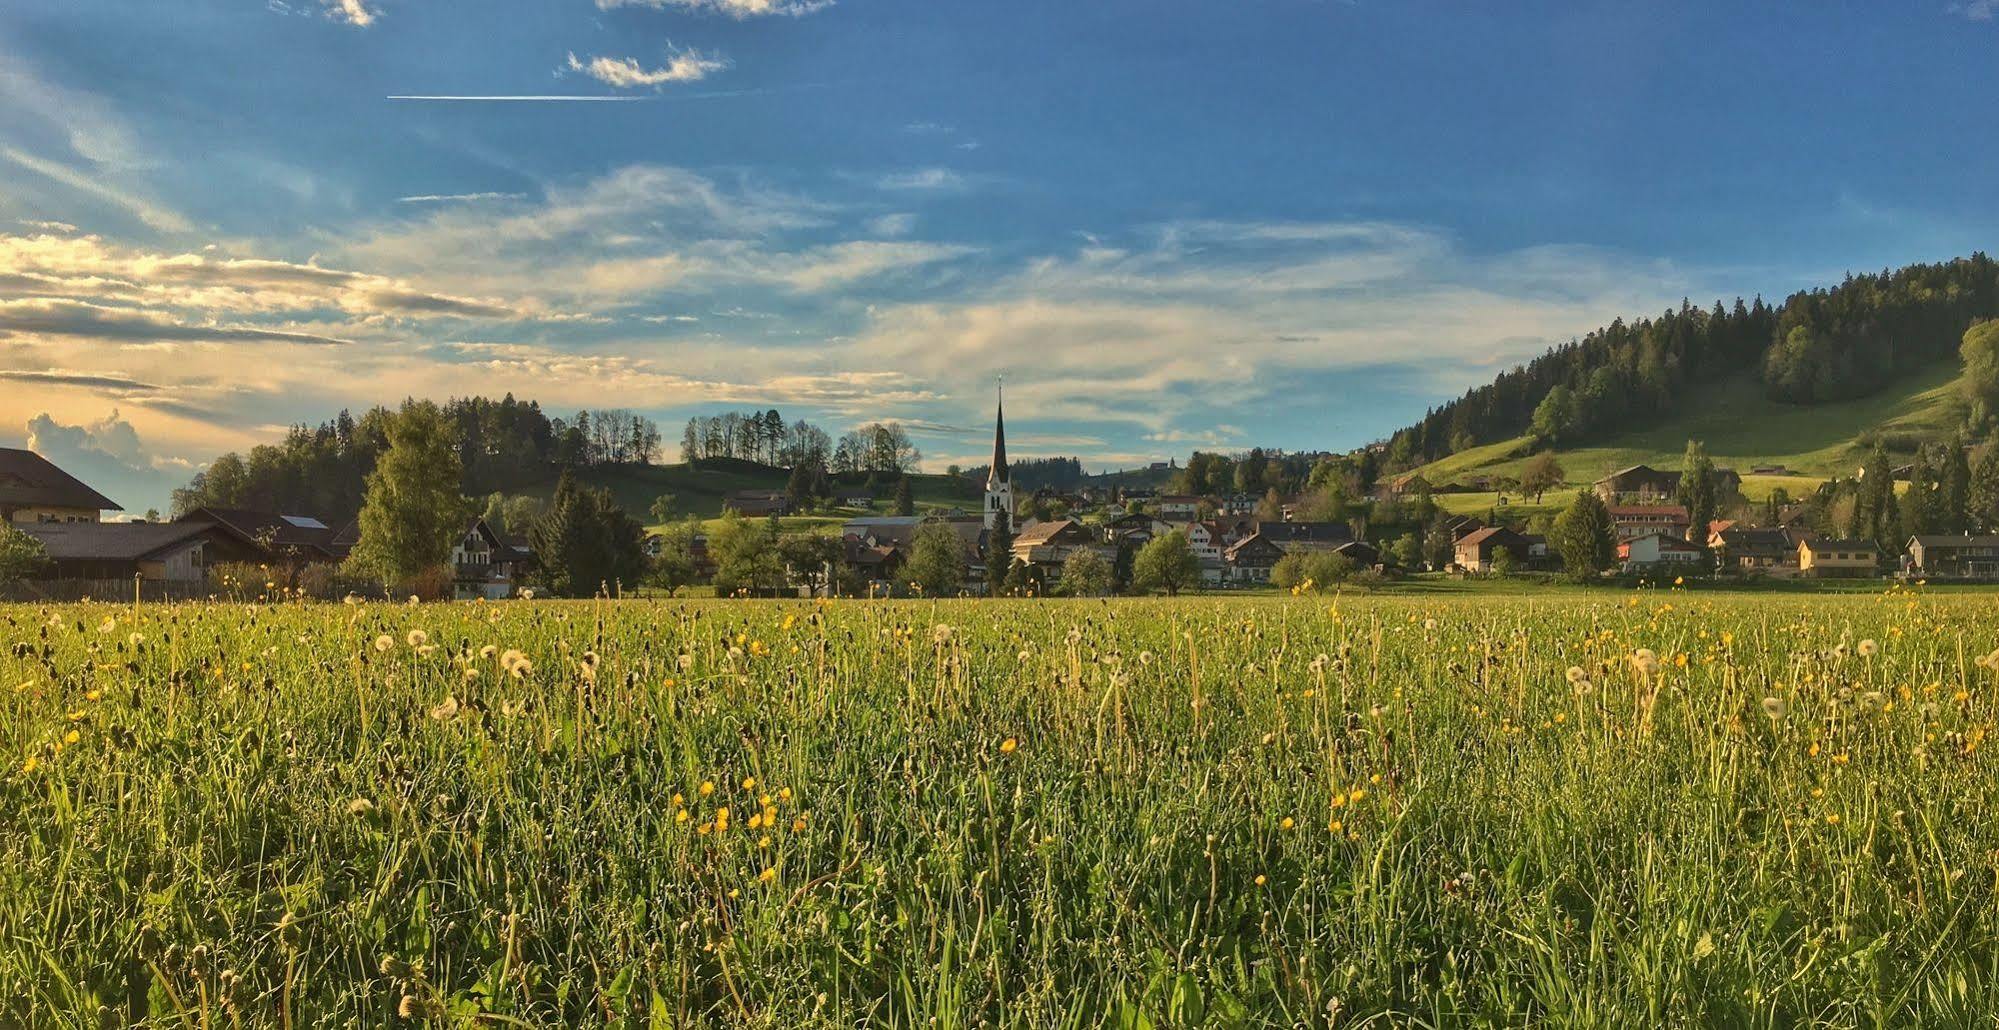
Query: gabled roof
[[1480, 536], [1042, 532], [1954, 540], [1841, 545], [1677, 543], [113, 541], [267, 530], [1640, 510], [27, 478]]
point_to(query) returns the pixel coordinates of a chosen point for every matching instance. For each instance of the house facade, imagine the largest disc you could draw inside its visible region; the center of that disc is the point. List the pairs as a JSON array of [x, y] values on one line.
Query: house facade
[[1477, 551], [1943, 556], [1755, 547], [485, 565], [1248, 561], [1658, 549], [34, 490], [1838, 559], [155, 552], [1631, 521]]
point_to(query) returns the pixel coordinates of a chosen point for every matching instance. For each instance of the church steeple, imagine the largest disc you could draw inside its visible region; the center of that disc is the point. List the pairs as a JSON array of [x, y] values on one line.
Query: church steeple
[[999, 479], [999, 473]]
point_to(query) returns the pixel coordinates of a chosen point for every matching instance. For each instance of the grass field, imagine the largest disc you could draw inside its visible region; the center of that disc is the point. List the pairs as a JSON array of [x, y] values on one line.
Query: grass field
[[1742, 428], [1576, 808]]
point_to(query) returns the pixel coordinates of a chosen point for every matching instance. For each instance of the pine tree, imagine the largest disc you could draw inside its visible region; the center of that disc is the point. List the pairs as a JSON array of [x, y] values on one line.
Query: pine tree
[[999, 556], [1956, 478], [905, 503], [1585, 536], [1875, 510], [586, 542]]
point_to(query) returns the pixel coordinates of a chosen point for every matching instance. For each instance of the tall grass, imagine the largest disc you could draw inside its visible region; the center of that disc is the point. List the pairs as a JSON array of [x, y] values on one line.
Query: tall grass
[[1604, 810]]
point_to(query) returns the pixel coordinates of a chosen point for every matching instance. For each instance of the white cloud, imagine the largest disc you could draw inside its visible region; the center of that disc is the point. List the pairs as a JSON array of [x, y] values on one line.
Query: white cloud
[[934, 179], [900, 224], [108, 455], [351, 12], [145, 210], [1977, 10], [738, 9], [626, 73], [458, 198]]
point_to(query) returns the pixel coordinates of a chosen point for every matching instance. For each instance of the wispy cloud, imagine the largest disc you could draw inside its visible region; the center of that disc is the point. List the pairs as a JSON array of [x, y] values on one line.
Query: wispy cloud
[[459, 198], [518, 98], [932, 179], [627, 73], [733, 8], [351, 12], [145, 210], [1977, 10]]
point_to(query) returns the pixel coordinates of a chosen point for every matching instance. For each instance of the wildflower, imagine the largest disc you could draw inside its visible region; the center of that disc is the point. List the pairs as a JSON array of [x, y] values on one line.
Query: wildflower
[[707, 787], [360, 807], [446, 710], [71, 737], [940, 634], [1008, 745], [488, 651], [767, 875], [28, 767], [1261, 879], [110, 623], [1777, 707], [1288, 823], [1645, 660], [384, 642], [1575, 674], [1868, 648]]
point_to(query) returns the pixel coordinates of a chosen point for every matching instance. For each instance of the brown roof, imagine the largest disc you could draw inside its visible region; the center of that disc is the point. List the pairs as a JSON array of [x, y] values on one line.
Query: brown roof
[[112, 541], [27, 478], [1042, 532], [269, 531], [1629, 510]]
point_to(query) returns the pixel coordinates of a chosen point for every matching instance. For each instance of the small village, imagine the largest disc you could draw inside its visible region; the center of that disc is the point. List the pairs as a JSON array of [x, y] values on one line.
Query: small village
[[1218, 542]]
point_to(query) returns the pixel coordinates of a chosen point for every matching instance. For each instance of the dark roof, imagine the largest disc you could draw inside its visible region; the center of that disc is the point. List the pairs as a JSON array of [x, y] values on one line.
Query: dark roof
[[1305, 532], [28, 478], [269, 530], [113, 541], [1042, 532], [1843, 545], [1951, 540]]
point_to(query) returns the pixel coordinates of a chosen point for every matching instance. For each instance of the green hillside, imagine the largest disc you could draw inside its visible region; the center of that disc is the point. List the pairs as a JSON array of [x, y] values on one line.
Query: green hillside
[[699, 488], [1742, 428]]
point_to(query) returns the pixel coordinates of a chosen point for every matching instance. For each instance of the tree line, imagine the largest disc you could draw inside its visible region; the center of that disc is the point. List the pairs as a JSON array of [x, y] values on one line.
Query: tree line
[[500, 445], [1818, 345]]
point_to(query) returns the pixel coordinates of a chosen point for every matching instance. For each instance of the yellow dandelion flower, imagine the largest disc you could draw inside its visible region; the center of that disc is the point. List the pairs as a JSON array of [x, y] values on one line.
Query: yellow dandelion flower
[[1009, 745]]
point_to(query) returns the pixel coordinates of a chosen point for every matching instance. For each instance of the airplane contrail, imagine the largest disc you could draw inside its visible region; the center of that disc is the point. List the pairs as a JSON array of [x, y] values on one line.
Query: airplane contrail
[[586, 99]]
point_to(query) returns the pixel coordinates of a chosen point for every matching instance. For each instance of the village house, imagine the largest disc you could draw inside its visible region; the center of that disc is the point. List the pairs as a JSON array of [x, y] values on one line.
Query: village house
[[154, 552], [1177, 507], [1250, 560], [1476, 551], [1135, 529], [852, 498], [754, 503], [1643, 484], [264, 538], [1632, 521], [484, 564], [1836, 559], [1642, 552], [32, 489], [1754, 547], [1942, 556], [1306, 536], [1407, 483], [1049, 544], [1363, 554]]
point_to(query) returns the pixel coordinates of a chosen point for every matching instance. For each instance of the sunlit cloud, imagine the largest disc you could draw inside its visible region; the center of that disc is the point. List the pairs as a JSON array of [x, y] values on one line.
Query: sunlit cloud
[[627, 73]]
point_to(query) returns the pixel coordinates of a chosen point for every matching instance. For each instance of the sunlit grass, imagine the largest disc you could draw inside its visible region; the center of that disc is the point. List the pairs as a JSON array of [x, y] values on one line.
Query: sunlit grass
[[1595, 808]]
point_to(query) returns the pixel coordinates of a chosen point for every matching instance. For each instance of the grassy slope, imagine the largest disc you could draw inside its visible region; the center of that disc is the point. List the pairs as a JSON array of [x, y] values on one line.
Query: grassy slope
[[1741, 428]]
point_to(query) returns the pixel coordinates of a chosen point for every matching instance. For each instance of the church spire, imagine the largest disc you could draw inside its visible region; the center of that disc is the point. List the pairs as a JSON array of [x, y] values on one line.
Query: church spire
[[999, 473], [999, 485]]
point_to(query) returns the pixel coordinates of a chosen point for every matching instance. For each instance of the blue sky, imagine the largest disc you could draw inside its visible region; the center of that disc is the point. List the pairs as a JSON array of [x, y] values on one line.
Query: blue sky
[[1170, 224]]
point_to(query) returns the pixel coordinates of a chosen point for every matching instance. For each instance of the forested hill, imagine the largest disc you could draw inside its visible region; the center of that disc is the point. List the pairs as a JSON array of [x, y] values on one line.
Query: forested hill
[[1818, 346]]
